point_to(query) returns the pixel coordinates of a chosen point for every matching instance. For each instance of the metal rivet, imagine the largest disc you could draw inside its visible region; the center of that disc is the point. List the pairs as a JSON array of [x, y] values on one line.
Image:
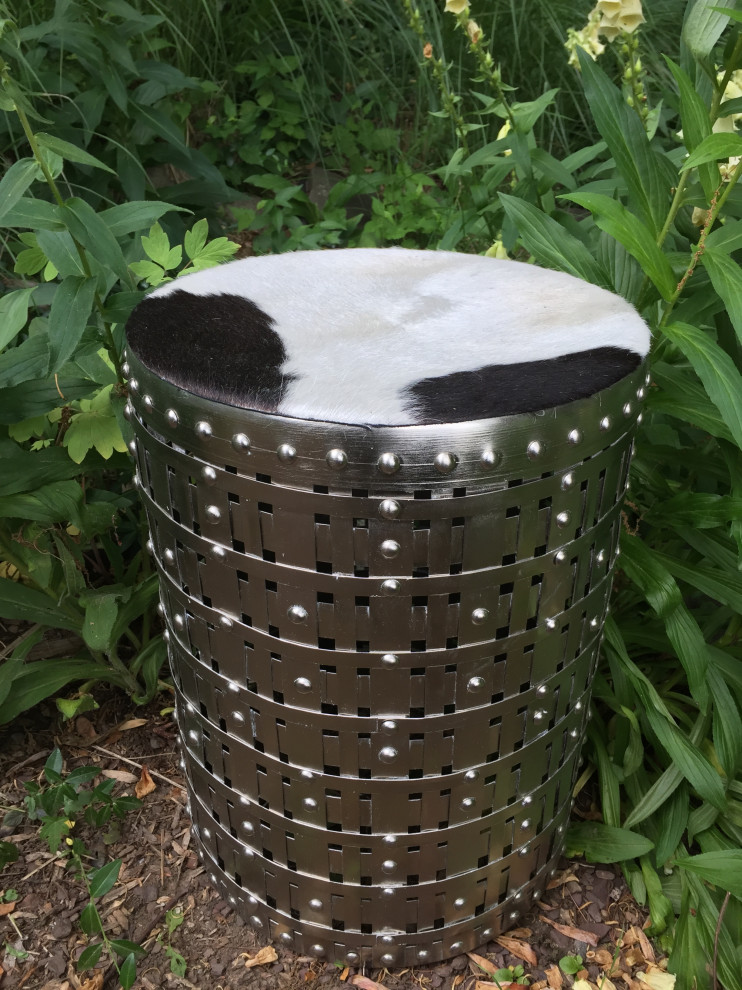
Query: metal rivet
[[457, 946], [303, 684], [137, 479], [213, 513], [640, 393], [317, 950], [125, 369], [233, 687], [475, 684], [389, 463], [336, 458], [459, 902], [471, 775], [559, 829], [479, 615], [525, 824], [172, 417], [640, 417], [212, 877], [203, 429], [160, 609], [389, 508], [533, 450], [539, 715], [133, 384], [388, 866], [388, 891], [563, 518], [527, 800], [190, 708], [166, 635], [208, 474], [286, 937], [389, 840], [490, 458], [178, 621], [193, 735], [559, 557], [578, 706], [310, 804], [518, 895], [514, 915], [550, 623], [352, 957], [256, 922], [389, 725], [627, 409], [150, 546], [387, 958], [238, 717], [601, 556], [523, 851], [148, 403], [128, 410], [486, 933], [286, 453], [389, 660], [537, 895], [542, 689], [574, 436], [132, 445], [226, 622], [445, 463], [207, 833], [306, 775], [241, 443], [468, 802], [388, 754], [218, 553], [297, 613], [605, 423], [252, 901], [593, 623], [389, 548], [248, 827], [567, 481], [316, 904], [423, 954], [573, 733], [386, 940], [391, 586]]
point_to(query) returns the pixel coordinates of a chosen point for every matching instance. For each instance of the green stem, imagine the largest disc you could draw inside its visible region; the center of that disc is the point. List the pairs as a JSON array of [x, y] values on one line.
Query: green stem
[[719, 90], [677, 202]]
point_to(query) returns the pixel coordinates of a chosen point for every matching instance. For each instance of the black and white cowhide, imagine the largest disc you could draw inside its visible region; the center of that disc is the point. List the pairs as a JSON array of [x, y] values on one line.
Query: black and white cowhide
[[387, 336]]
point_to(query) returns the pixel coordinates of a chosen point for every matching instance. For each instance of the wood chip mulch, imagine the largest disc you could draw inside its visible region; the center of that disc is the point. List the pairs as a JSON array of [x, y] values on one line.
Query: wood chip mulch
[[586, 911]]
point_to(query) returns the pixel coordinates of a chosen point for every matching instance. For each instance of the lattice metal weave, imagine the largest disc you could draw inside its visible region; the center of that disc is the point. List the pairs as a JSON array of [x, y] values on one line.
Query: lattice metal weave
[[383, 641]]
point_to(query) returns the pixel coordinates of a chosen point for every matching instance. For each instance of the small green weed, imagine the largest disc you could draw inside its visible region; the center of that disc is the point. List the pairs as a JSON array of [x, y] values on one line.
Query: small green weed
[[570, 964], [173, 920]]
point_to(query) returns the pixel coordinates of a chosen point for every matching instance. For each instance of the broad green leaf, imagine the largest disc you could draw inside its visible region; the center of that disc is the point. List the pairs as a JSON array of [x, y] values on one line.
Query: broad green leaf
[[704, 26], [27, 361], [694, 117], [15, 182], [70, 313], [70, 708], [214, 253], [671, 821], [123, 947], [723, 869], [608, 781], [94, 429], [148, 270], [127, 218], [100, 615], [726, 278], [526, 114], [60, 249], [660, 907], [195, 239], [26, 470], [717, 371], [88, 229], [726, 238], [8, 853], [696, 509], [612, 217], [69, 151], [35, 214], [53, 831], [34, 398], [550, 243], [13, 314], [61, 501], [90, 920], [17, 601], [89, 956], [627, 141], [157, 248], [688, 959], [720, 585], [102, 880], [600, 843], [54, 764], [128, 972], [714, 148]]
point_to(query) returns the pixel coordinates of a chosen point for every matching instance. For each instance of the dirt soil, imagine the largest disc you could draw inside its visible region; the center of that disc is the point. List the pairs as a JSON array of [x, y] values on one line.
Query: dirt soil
[[587, 910]]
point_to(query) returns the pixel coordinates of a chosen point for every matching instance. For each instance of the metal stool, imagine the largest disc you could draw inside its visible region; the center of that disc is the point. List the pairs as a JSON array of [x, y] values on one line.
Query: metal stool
[[383, 641]]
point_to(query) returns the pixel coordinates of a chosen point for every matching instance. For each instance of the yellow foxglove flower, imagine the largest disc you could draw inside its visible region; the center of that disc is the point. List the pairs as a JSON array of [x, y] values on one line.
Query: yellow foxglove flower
[[456, 6], [474, 31]]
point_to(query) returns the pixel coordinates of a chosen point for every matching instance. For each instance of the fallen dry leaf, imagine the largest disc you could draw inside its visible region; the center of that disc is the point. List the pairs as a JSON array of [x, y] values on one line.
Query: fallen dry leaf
[[345, 974], [131, 723], [485, 964], [7, 908], [583, 985], [554, 978], [94, 983], [646, 946], [576, 933], [481, 985], [123, 776], [522, 950], [265, 955], [657, 979], [601, 957], [365, 984], [564, 877], [457, 980], [520, 932], [605, 984], [145, 785], [634, 957]]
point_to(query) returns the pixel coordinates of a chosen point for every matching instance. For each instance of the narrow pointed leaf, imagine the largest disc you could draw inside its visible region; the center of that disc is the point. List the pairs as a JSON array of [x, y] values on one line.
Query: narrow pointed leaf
[[600, 843], [726, 278], [103, 879], [704, 25], [69, 315], [714, 148], [70, 152], [722, 868]]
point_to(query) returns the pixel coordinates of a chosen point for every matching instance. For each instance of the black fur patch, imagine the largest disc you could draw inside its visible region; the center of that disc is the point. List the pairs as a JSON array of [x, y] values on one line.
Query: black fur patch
[[505, 389], [221, 346]]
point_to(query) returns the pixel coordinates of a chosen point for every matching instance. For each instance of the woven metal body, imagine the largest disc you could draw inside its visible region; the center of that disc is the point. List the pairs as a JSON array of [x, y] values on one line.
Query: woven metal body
[[383, 641]]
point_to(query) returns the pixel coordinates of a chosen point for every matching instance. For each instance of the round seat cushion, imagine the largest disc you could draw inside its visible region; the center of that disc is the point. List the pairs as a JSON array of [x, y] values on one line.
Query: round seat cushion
[[387, 336]]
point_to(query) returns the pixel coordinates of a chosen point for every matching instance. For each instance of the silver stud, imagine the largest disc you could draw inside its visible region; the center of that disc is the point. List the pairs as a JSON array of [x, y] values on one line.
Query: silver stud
[[286, 453], [389, 840], [248, 828], [527, 800], [337, 459], [172, 417], [178, 621], [352, 958], [640, 417], [514, 915], [578, 706], [306, 775], [286, 937], [389, 660], [168, 556], [389, 725], [601, 556], [133, 446], [207, 833], [388, 866], [550, 624], [567, 481], [559, 557], [423, 954], [387, 891], [386, 940], [389, 548], [475, 684], [533, 450], [241, 443], [457, 946], [387, 958], [166, 635], [487, 933], [317, 950], [490, 458], [303, 684], [391, 586], [539, 715], [193, 735], [208, 474], [218, 553], [518, 895], [133, 385], [226, 622], [593, 623], [233, 687], [125, 369], [150, 546], [297, 613], [605, 423], [213, 513], [445, 463], [525, 824], [573, 734], [459, 902], [252, 901], [523, 851], [640, 393], [388, 754], [316, 904], [190, 708], [563, 518], [310, 804], [148, 403], [203, 429], [574, 436], [160, 609], [128, 410], [627, 409], [537, 895], [389, 508], [471, 775], [479, 615], [468, 802], [238, 717], [542, 689], [212, 877], [389, 463], [256, 922], [559, 829]]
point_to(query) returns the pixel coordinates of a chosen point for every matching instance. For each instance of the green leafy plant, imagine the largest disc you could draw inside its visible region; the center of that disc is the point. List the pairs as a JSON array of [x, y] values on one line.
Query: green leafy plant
[[570, 964], [173, 920]]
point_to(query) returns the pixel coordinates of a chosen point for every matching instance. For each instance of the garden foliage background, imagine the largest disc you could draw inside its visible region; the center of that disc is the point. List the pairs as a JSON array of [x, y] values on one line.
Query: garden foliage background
[[142, 140]]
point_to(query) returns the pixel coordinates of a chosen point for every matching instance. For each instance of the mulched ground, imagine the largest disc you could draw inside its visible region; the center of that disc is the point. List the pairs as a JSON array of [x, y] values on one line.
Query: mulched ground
[[41, 937]]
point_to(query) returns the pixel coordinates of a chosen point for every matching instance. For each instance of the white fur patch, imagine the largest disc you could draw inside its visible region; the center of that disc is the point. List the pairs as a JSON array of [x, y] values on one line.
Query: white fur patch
[[361, 325]]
